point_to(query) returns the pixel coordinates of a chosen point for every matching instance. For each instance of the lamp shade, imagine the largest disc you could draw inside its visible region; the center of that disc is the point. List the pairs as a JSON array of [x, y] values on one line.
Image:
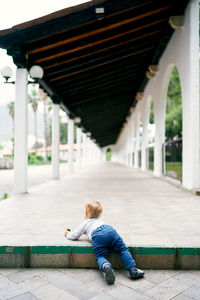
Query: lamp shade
[[36, 72], [6, 72], [77, 120]]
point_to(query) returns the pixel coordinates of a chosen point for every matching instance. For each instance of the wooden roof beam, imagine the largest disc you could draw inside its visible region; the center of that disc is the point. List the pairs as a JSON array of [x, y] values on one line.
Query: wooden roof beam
[[46, 57], [100, 30]]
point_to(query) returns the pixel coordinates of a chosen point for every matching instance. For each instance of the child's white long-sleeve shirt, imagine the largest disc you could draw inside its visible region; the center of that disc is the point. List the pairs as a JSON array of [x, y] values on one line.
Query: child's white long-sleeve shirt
[[87, 227]]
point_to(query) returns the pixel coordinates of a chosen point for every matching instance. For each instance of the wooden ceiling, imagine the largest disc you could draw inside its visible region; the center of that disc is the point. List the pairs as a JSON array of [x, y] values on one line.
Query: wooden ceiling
[[95, 62]]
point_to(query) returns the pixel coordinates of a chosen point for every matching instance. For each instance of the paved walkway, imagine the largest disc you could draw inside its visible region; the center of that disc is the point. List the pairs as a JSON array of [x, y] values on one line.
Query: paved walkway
[[74, 284], [144, 209], [36, 175]]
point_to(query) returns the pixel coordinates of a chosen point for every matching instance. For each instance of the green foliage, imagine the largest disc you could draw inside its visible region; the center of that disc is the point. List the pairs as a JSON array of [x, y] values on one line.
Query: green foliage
[[108, 155], [173, 123], [49, 157], [151, 119], [176, 168], [64, 133], [34, 159], [4, 196]]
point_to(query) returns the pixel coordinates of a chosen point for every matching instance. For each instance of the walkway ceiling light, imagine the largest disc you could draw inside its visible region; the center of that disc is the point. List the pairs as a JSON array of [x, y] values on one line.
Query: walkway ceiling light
[[150, 75], [153, 69], [88, 133], [176, 22], [127, 118], [36, 73], [139, 96], [7, 72], [132, 109], [77, 120]]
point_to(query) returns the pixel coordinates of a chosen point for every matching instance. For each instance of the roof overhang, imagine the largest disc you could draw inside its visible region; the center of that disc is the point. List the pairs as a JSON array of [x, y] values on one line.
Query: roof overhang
[[96, 56]]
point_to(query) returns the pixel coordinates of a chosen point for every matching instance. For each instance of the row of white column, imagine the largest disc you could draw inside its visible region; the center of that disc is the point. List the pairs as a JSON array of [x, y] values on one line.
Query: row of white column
[[87, 150]]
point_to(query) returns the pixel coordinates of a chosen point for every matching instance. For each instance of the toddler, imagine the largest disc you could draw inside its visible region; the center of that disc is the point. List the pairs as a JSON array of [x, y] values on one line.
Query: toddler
[[104, 238]]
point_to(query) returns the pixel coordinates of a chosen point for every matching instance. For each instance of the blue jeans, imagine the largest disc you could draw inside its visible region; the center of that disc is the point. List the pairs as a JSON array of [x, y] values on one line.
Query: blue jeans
[[104, 239]]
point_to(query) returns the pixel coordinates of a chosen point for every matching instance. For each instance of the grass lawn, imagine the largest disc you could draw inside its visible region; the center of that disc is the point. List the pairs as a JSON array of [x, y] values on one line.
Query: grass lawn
[[174, 167], [151, 166]]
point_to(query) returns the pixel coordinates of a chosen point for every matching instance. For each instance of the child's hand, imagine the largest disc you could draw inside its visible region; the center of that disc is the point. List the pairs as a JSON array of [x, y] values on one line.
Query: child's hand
[[66, 232]]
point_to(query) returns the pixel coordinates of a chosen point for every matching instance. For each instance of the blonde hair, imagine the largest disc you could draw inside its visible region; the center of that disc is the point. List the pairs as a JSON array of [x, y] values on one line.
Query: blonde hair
[[93, 209]]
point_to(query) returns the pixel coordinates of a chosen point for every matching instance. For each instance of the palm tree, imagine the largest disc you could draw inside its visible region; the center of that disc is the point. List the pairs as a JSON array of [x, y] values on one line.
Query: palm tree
[[11, 108], [33, 99]]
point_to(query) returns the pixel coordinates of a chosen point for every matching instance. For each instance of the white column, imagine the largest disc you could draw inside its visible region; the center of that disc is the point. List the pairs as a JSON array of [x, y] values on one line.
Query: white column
[[20, 134], [131, 142], [55, 141], [78, 142], [137, 143], [144, 147], [71, 145], [88, 151], [145, 121], [128, 144], [84, 151], [189, 72]]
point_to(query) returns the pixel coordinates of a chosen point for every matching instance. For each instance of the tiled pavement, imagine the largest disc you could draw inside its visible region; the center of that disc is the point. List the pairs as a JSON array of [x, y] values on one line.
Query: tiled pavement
[[84, 284], [36, 176], [143, 209]]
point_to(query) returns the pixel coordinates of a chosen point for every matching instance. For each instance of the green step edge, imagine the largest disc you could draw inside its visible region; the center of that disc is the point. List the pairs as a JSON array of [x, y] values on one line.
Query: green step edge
[[88, 249]]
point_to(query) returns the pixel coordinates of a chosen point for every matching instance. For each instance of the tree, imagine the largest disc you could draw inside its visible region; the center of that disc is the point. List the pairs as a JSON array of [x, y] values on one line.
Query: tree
[[33, 100], [173, 123]]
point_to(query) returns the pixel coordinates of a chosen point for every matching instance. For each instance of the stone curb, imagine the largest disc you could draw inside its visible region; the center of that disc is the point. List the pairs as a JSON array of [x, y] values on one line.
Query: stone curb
[[167, 258]]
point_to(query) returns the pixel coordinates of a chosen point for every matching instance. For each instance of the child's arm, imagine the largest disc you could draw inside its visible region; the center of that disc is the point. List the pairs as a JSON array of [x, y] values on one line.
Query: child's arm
[[76, 233]]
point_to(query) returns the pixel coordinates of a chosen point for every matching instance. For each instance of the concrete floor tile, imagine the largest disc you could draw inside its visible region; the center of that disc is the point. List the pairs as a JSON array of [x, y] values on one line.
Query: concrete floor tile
[[185, 240], [25, 274], [162, 292], [100, 285], [181, 297], [152, 240], [71, 285], [158, 276], [51, 292], [88, 275], [140, 285], [193, 292], [26, 296], [127, 293], [9, 271], [179, 282], [104, 296], [194, 275], [21, 288], [4, 281]]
